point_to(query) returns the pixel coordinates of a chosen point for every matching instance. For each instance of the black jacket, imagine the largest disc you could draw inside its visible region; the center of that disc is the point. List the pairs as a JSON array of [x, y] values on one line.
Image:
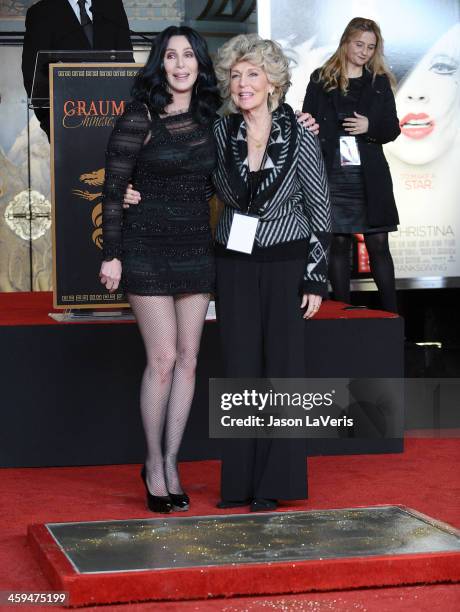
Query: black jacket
[[298, 206], [377, 103], [52, 25]]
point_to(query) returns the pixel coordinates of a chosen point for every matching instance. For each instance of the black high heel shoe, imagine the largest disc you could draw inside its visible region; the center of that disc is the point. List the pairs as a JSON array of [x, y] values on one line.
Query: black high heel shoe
[[180, 501], [156, 503]]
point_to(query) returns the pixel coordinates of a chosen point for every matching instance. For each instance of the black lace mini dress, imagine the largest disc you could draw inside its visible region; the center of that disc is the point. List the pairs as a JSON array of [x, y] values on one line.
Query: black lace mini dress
[[164, 243]]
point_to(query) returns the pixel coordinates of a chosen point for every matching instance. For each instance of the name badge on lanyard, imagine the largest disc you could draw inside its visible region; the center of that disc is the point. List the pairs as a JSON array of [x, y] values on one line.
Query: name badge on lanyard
[[243, 233], [244, 226], [349, 153]]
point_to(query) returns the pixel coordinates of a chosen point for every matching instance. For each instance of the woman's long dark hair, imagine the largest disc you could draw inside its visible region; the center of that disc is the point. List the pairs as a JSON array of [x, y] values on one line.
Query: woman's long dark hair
[[150, 85]]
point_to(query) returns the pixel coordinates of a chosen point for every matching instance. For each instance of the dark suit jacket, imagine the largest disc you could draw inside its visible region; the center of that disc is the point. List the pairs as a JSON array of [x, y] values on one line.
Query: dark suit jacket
[[53, 25], [378, 105]]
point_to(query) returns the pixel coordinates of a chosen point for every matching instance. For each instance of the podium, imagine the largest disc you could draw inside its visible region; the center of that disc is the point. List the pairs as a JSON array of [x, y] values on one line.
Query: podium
[[86, 98], [39, 100], [67, 415]]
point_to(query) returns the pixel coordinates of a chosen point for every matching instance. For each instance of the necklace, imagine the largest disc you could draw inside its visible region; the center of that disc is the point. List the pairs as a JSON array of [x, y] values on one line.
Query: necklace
[[259, 143]]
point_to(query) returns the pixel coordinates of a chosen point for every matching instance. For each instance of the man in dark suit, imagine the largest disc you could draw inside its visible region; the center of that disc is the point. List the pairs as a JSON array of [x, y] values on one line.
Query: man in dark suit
[[71, 25]]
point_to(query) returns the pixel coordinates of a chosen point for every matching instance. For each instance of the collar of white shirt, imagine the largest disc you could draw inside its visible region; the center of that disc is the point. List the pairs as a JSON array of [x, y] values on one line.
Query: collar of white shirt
[[76, 8]]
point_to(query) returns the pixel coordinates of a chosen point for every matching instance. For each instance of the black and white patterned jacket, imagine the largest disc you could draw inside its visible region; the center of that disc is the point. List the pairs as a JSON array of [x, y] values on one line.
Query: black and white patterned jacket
[[298, 204]]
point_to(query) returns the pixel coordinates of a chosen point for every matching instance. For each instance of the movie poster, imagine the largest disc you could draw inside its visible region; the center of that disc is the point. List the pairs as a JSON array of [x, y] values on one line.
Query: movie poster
[[422, 47], [86, 102]]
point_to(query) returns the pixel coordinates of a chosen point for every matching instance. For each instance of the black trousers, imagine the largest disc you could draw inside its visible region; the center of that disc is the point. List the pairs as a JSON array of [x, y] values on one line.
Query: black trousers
[[262, 335]]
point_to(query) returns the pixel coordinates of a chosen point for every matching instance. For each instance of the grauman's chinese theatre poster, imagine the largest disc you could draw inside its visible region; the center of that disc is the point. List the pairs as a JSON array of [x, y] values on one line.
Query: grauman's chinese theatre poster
[[86, 100]]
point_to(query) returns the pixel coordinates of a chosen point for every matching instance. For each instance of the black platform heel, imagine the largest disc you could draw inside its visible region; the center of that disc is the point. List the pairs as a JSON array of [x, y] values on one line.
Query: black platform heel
[[180, 501], [156, 503]]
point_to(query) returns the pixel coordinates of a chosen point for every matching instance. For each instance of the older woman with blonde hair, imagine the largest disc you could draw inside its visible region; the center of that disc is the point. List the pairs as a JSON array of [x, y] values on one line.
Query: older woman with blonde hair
[[271, 254], [352, 99]]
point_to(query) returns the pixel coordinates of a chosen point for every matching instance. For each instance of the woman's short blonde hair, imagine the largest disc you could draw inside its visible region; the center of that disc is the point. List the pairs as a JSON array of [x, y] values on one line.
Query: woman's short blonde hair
[[266, 54]]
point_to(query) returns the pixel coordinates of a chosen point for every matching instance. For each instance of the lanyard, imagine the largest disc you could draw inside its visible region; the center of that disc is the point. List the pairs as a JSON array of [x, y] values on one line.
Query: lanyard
[[254, 188]]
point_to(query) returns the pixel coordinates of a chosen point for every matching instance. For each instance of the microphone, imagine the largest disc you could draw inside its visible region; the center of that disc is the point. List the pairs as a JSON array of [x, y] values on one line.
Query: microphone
[[120, 25]]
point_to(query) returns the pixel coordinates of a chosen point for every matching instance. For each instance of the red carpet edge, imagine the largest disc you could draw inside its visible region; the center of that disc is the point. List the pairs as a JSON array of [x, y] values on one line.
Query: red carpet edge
[[245, 579]]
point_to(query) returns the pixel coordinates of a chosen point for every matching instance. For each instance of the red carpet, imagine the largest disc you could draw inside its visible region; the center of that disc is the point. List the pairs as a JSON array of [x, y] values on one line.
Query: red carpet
[[233, 580], [33, 308], [425, 478]]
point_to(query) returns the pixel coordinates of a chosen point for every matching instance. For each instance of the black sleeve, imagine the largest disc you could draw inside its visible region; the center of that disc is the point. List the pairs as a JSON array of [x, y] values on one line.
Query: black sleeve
[[123, 149], [310, 102], [123, 36], [384, 127], [37, 37], [313, 179]]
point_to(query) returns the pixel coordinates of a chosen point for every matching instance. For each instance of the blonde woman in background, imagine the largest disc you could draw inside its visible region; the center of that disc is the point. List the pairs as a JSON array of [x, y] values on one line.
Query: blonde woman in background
[[352, 100]]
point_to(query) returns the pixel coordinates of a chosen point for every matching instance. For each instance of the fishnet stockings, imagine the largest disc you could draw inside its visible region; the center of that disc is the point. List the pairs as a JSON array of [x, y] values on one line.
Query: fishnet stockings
[[171, 328]]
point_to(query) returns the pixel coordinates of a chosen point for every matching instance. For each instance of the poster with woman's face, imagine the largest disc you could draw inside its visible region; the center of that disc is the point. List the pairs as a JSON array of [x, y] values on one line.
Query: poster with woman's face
[[428, 101], [422, 48]]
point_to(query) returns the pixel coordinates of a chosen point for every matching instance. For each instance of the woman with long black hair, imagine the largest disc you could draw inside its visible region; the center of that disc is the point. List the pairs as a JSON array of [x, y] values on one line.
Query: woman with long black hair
[[161, 250]]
